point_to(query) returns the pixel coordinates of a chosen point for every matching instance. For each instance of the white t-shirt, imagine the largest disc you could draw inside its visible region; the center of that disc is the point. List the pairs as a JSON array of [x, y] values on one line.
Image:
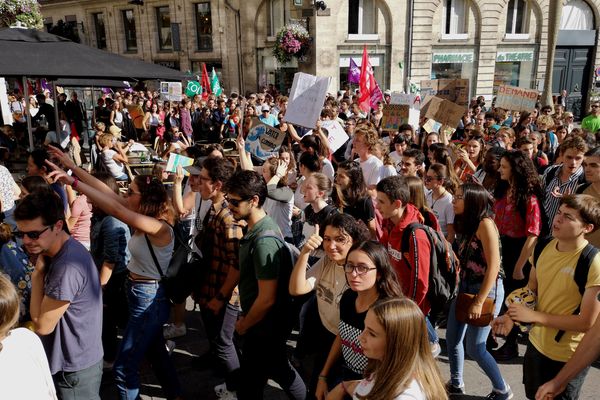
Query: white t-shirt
[[412, 392], [397, 159], [329, 280], [327, 169], [387, 170], [371, 169], [442, 208], [281, 213], [115, 168], [24, 367]]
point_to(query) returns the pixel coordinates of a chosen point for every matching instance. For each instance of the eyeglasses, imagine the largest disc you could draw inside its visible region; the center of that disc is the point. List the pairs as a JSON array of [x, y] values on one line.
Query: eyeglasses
[[236, 202], [359, 269], [33, 235], [131, 192]]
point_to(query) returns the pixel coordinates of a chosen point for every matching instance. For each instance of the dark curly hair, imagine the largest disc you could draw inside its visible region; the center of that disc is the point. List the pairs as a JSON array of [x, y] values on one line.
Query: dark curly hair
[[154, 199], [524, 181]]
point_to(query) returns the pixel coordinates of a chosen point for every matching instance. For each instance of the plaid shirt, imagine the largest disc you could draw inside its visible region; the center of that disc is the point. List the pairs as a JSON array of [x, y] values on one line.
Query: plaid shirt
[[220, 247]]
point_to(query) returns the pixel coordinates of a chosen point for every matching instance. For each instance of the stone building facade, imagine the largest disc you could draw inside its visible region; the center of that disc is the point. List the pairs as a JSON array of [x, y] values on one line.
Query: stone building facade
[[489, 42]]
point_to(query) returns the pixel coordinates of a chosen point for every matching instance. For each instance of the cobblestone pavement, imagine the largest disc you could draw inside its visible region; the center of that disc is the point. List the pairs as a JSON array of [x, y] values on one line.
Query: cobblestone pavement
[[199, 383]]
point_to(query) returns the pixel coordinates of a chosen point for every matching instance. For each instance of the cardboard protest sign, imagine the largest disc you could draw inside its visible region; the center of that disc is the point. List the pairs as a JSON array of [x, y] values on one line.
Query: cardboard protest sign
[[516, 99], [178, 159], [454, 90], [336, 135], [443, 111], [394, 115], [263, 140], [306, 99]]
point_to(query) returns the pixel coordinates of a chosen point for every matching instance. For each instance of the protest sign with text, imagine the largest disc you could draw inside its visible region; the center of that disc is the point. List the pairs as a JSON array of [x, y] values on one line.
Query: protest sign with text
[[516, 99], [454, 90], [336, 135], [394, 115], [306, 99], [414, 103], [263, 140]]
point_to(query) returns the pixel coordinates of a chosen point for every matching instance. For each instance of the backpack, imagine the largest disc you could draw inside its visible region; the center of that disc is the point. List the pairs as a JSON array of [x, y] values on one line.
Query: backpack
[[292, 251], [581, 270], [444, 267]]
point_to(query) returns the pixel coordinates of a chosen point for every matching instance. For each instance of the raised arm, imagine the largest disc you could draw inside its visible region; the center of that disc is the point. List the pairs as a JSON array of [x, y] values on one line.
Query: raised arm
[[245, 160], [299, 281], [182, 204]]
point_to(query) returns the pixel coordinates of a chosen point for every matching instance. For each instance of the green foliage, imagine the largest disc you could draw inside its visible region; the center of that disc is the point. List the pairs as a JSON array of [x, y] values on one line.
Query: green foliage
[[27, 12]]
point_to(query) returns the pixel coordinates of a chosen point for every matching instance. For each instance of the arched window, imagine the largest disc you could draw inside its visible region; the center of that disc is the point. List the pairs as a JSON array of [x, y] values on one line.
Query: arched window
[[455, 17], [577, 16], [362, 17]]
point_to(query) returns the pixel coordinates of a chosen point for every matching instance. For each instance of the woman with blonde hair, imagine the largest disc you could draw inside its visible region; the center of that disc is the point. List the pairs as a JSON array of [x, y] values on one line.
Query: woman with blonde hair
[[401, 366]]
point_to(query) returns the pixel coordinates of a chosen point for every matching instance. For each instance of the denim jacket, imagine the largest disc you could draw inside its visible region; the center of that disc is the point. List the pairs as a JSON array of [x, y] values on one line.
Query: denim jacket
[[109, 238]]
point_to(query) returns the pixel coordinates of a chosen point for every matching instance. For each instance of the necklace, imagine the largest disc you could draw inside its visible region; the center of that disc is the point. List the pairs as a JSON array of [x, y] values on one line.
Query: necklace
[[434, 200]]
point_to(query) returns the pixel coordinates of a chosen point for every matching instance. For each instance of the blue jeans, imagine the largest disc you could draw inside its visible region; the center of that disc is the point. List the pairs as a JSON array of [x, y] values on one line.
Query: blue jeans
[[76, 385], [476, 338], [431, 333], [143, 337]]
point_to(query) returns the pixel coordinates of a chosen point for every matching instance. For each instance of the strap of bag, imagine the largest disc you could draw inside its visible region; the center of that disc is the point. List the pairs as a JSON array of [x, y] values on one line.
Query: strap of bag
[[162, 275]]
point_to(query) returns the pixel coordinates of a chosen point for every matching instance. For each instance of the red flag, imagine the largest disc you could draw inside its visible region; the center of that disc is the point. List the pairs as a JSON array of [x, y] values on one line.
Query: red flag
[[376, 95], [205, 83], [366, 83]]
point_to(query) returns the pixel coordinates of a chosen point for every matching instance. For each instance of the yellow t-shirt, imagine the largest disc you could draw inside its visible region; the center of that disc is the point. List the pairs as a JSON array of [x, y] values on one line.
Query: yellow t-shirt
[[558, 294]]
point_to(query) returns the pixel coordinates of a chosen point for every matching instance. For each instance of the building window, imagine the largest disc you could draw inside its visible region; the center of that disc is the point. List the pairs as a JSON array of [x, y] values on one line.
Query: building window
[[516, 18], [362, 17], [448, 64], [204, 27], [455, 19], [163, 18], [100, 30], [577, 15], [129, 28], [514, 67], [278, 15]]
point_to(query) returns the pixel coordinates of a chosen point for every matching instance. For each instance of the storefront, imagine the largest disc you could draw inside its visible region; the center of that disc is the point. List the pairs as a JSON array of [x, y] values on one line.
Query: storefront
[[514, 67], [450, 64]]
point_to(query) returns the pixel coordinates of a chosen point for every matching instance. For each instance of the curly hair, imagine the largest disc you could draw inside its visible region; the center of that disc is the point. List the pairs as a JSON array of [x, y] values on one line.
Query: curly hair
[[370, 134], [524, 181], [154, 199]]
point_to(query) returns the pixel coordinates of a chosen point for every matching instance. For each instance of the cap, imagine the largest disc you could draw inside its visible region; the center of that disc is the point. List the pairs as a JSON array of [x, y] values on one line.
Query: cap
[[265, 107], [114, 130], [196, 167], [388, 92]]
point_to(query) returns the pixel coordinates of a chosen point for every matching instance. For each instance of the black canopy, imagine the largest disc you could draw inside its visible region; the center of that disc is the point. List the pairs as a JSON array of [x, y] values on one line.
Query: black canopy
[[36, 54]]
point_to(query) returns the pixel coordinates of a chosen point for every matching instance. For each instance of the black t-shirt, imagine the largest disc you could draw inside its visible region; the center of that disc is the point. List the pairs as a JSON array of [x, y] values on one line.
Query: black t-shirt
[[352, 323], [362, 210], [313, 218]]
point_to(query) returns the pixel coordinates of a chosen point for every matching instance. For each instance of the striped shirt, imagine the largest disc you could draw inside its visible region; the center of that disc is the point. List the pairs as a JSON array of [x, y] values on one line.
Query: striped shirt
[[552, 203]]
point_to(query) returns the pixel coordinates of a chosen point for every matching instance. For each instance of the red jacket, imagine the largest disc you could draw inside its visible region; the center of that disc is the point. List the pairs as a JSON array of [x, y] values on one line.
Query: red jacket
[[412, 272]]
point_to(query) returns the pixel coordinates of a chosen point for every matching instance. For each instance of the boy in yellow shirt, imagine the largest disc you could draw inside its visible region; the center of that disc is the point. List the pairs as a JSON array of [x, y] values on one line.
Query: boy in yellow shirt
[[557, 326]]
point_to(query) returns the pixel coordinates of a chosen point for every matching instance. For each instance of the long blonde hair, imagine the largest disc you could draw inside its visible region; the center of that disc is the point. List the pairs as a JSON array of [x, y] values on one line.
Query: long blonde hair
[[9, 306], [407, 353]]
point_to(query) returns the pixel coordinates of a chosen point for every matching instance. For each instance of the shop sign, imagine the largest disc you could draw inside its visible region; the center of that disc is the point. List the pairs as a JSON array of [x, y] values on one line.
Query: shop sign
[[453, 58], [514, 56]]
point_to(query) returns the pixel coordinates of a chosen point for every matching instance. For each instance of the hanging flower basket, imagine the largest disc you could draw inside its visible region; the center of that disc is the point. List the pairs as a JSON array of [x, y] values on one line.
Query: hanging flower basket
[[25, 12], [292, 40]]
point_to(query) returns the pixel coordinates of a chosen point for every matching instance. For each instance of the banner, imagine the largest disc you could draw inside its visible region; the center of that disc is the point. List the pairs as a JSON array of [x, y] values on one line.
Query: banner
[[516, 99], [336, 135], [454, 90], [306, 99], [193, 88], [394, 115], [263, 140], [443, 111]]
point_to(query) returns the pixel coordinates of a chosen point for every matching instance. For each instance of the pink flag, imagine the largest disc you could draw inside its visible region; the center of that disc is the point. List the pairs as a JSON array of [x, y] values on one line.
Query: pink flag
[[353, 72], [376, 95], [367, 83]]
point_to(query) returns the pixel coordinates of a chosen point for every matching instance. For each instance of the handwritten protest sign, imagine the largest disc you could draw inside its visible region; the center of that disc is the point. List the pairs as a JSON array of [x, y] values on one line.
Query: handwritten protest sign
[[443, 111], [515, 98], [306, 99], [454, 90], [414, 103], [394, 115], [178, 159], [171, 90], [336, 135], [263, 140]]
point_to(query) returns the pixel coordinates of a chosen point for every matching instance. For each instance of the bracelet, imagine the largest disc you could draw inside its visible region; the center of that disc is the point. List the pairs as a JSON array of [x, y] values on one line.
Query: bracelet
[[75, 182], [323, 378]]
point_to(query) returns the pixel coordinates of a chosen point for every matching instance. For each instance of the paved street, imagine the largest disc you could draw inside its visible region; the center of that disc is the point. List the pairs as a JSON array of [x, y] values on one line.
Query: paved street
[[199, 384]]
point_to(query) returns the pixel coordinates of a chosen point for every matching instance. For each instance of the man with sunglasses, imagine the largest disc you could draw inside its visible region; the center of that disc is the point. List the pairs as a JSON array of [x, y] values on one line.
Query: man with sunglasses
[[66, 297], [264, 268], [591, 123]]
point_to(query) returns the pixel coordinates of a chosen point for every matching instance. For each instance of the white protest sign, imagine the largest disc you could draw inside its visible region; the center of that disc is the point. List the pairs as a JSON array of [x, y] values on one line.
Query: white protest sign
[[413, 101], [6, 114], [263, 140], [306, 99], [175, 90], [337, 136], [515, 98]]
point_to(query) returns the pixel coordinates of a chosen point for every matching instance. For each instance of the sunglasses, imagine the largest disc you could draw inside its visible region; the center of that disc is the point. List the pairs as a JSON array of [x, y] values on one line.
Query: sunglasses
[[33, 235], [236, 202]]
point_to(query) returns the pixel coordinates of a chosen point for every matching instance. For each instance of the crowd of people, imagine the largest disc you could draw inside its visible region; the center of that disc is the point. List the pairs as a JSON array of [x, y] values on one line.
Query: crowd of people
[[341, 245]]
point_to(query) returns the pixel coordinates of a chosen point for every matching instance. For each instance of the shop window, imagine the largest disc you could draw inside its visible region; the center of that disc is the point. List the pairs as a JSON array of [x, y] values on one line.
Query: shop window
[[516, 19], [163, 17], [362, 18], [100, 30], [204, 27], [278, 15], [514, 67], [130, 32], [455, 19]]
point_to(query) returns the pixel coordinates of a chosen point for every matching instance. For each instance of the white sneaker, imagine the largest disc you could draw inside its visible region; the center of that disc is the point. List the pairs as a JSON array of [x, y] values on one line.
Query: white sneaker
[[171, 331], [170, 346], [224, 394], [436, 349]]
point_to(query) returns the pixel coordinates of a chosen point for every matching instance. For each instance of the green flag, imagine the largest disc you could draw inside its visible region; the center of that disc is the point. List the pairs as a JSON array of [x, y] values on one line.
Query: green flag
[[193, 88], [215, 86]]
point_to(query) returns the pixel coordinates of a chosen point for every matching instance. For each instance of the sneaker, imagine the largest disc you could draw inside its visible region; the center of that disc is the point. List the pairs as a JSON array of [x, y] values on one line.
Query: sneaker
[[170, 346], [171, 331], [224, 394], [508, 394], [506, 352], [452, 390], [436, 349]]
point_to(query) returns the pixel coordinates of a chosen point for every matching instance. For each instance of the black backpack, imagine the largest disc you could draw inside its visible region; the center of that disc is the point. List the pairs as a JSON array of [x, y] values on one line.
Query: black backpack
[[444, 266], [581, 270]]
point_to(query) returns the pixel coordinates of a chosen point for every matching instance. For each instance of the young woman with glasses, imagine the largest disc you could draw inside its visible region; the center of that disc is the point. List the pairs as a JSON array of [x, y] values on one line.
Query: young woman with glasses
[[370, 277]]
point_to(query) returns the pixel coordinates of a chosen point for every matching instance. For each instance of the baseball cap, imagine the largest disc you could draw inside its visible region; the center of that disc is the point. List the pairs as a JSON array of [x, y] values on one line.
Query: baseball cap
[[265, 107]]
